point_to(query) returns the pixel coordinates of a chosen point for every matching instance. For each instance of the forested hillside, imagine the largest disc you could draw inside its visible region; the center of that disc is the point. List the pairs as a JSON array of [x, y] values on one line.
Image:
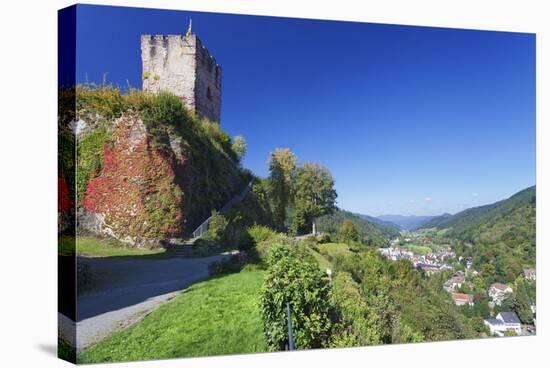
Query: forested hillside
[[500, 237], [388, 226], [465, 223], [410, 222], [370, 233]]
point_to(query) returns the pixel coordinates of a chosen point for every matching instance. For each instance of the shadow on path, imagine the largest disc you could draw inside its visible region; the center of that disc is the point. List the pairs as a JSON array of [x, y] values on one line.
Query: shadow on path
[[125, 281]]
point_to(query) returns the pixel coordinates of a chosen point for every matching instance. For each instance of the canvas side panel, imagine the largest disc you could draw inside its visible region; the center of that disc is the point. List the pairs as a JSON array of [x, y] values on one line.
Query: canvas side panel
[[66, 178]]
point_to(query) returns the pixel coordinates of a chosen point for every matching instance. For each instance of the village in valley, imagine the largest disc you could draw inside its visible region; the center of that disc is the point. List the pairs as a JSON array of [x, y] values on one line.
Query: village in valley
[[432, 253]]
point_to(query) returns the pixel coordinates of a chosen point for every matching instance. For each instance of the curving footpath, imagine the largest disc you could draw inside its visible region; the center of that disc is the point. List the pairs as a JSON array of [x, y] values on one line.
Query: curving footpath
[[135, 288]]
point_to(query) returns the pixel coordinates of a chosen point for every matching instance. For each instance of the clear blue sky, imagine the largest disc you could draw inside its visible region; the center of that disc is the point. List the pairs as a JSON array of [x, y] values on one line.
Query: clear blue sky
[[410, 120]]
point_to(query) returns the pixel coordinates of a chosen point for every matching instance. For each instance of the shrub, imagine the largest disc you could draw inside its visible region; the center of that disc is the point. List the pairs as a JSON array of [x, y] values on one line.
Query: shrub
[[348, 232], [261, 233], [105, 101], [230, 265], [311, 240], [323, 238], [239, 147], [216, 228], [214, 132], [298, 281], [358, 325], [160, 111]]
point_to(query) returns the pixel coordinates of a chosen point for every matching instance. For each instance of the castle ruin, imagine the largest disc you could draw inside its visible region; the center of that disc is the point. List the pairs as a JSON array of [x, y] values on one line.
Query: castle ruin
[[183, 66]]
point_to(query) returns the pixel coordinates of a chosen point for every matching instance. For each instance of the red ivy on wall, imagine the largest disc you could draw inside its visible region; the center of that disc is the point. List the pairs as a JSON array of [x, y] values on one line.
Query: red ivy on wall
[[64, 202], [136, 191]]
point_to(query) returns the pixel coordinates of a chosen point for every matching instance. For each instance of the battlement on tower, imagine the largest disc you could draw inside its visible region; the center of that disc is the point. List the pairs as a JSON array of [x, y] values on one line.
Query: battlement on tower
[[182, 65]]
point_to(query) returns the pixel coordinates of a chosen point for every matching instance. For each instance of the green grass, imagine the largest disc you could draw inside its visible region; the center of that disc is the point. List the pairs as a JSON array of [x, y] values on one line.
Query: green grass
[[217, 316], [418, 249], [65, 351], [323, 262], [97, 247], [328, 251], [335, 249]]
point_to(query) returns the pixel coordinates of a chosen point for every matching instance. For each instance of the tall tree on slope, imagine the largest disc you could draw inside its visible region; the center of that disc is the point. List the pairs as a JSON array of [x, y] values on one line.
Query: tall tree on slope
[[282, 169], [314, 196]]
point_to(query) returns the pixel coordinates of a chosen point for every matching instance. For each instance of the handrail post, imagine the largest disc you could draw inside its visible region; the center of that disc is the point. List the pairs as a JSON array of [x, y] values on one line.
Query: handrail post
[[289, 322]]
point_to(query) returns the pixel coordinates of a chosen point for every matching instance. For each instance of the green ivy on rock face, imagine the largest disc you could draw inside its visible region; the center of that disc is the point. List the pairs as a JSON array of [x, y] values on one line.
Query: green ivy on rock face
[[212, 174], [90, 157], [66, 158]]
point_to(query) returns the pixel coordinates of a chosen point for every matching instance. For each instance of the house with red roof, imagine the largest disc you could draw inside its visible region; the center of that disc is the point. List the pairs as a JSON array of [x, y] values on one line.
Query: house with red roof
[[463, 299]]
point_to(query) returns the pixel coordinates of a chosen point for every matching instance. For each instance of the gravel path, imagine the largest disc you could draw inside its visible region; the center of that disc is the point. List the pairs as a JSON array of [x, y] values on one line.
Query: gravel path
[[135, 288]]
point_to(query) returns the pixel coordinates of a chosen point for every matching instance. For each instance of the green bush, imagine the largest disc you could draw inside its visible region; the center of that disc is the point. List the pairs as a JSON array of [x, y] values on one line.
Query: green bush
[[239, 147], [217, 136], [104, 101], [323, 238], [358, 325], [294, 279], [260, 233], [348, 232], [226, 266], [311, 240], [216, 229], [160, 111]]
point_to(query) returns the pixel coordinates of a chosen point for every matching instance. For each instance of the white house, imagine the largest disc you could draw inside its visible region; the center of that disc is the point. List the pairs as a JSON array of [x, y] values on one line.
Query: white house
[[498, 292], [505, 321], [511, 321], [496, 326]]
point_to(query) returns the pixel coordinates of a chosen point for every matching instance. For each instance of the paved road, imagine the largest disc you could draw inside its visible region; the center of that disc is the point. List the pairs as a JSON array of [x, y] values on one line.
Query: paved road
[[134, 289]]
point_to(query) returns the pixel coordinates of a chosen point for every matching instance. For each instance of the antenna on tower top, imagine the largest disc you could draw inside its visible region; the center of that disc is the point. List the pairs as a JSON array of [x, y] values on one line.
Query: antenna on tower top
[[189, 28]]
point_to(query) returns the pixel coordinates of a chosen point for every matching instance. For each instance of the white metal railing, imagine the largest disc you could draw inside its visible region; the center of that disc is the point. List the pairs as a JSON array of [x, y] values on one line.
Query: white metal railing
[[203, 227]]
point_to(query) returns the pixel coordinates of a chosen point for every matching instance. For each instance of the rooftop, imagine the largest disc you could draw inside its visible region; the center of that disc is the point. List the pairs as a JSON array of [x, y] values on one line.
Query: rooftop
[[509, 317], [494, 322], [499, 286], [463, 297]]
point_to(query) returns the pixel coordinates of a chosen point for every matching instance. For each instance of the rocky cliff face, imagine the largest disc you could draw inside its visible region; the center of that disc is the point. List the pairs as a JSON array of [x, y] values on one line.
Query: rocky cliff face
[[135, 198], [146, 169]]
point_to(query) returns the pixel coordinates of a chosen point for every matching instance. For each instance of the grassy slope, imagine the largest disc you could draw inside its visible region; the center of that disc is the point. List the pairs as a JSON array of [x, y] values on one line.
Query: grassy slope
[[97, 247], [214, 317], [323, 262], [217, 316], [334, 249], [418, 249]]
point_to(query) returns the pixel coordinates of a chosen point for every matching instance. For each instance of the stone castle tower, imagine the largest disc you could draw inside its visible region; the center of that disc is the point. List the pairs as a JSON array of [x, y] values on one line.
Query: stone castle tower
[[183, 66]]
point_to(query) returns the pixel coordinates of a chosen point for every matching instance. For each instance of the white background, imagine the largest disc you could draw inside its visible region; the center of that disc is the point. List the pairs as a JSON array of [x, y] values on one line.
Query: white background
[[28, 67]]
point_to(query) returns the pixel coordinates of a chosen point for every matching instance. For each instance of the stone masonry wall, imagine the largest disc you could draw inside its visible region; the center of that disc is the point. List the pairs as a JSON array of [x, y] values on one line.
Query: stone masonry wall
[[183, 66], [208, 87]]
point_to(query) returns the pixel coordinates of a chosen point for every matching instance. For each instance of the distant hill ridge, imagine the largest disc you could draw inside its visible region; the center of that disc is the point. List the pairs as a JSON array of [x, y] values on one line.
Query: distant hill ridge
[[374, 233], [476, 215], [405, 222], [501, 218]]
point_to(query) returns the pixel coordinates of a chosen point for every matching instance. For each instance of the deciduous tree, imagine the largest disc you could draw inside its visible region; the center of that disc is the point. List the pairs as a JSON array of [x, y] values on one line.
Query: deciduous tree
[[315, 195], [282, 169]]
